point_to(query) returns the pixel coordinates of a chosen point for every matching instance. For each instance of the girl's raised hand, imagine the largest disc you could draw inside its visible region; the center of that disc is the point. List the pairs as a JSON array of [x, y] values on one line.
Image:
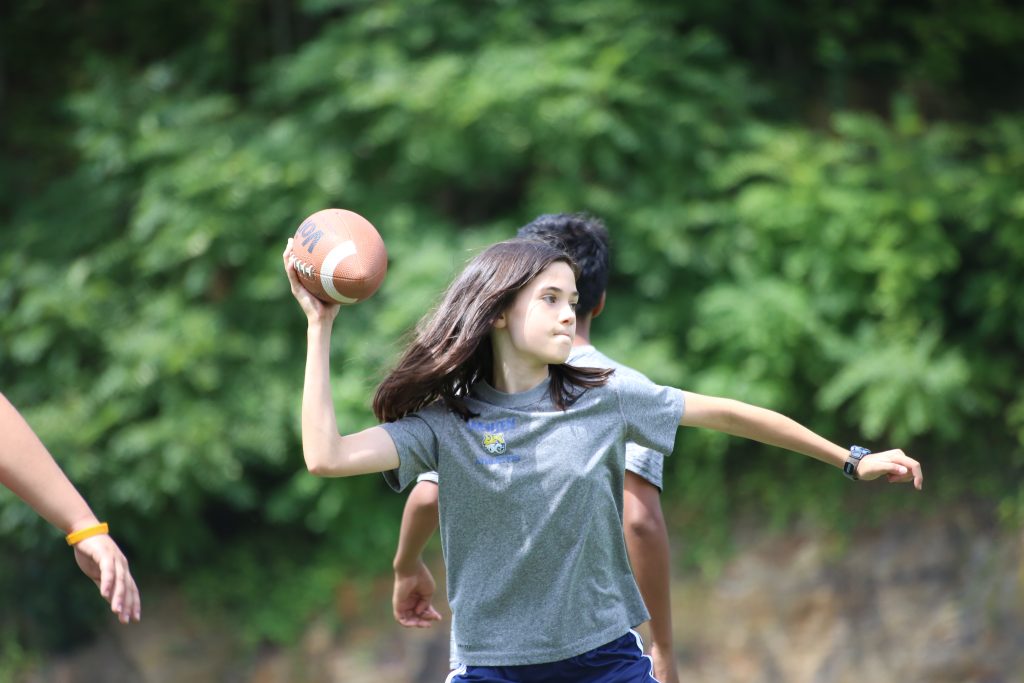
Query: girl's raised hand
[[315, 310], [895, 465]]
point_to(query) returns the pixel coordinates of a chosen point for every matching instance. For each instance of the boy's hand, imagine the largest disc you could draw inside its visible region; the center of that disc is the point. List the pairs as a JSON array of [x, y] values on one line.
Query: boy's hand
[[896, 466], [315, 310], [411, 598]]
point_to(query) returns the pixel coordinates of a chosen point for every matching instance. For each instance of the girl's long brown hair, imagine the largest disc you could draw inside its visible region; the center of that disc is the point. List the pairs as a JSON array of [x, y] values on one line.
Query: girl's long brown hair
[[451, 349]]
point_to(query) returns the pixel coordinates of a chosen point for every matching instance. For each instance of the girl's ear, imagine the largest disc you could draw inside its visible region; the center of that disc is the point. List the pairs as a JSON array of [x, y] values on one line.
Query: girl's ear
[[500, 321]]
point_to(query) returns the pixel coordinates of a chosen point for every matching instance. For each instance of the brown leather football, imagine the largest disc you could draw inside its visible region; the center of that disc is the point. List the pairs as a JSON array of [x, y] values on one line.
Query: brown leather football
[[339, 256]]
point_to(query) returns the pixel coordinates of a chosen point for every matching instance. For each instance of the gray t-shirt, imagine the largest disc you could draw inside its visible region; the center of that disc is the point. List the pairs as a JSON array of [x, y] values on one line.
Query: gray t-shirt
[[641, 461], [644, 462], [531, 513]]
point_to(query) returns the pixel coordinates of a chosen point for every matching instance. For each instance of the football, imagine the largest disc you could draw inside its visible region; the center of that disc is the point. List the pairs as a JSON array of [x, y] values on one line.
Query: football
[[339, 256]]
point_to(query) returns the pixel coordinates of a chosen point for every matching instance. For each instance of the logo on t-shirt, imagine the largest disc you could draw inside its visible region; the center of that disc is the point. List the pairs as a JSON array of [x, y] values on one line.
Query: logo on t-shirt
[[492, 438], [494, 443]]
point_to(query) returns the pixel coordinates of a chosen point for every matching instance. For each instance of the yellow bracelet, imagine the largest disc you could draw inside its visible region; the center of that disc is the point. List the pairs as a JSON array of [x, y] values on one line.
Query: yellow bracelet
[[89, 531]]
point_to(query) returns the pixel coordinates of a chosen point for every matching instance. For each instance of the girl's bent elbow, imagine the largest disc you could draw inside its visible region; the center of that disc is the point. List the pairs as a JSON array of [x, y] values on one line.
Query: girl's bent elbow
[[316, 467]]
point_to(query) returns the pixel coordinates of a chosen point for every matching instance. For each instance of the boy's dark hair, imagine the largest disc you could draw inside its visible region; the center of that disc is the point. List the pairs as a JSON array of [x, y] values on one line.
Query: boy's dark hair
[[585, 239]]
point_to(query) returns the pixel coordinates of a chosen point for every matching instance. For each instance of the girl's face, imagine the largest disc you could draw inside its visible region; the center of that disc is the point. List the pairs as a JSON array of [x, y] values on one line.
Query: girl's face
[[541, 322]]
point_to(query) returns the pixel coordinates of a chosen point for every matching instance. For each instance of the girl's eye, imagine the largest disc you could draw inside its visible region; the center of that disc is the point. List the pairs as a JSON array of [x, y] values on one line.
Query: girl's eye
[[549, 298], [573, 305]]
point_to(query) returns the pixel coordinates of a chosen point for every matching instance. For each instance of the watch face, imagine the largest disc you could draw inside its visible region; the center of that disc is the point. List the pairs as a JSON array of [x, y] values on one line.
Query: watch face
[[850, 469]]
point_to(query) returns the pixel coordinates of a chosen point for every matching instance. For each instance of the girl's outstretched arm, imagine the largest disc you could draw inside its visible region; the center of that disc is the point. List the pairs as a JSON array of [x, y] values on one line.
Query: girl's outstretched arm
[[328, 453], [767, 426]]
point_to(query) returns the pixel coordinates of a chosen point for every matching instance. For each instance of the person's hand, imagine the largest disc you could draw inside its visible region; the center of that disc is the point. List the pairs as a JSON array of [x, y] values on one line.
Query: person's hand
[[664, 665], [315, 310], [104, 563], [896, 466], [411, 598]]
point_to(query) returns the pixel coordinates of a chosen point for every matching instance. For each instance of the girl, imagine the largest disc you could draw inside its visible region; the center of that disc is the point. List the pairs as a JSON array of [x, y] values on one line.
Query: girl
[[530, 455]]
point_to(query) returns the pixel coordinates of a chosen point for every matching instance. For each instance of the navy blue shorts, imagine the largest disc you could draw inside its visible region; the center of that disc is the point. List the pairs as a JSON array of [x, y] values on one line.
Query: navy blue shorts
[[620, 661]]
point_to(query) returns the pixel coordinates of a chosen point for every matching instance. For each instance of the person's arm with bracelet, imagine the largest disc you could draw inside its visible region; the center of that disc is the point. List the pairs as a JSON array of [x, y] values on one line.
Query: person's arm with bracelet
[[28, 469]]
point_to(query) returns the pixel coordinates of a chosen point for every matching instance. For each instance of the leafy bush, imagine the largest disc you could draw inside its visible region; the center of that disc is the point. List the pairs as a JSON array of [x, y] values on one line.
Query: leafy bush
[[859, 275]]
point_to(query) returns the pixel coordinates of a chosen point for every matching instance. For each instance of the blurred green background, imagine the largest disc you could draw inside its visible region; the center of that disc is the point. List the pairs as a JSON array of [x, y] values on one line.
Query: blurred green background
[[815, 206]]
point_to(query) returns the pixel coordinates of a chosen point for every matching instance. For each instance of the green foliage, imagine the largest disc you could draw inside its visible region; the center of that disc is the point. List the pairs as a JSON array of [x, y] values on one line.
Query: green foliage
[[15, 660], [857, 271], [958, 57], [271, 584], [845, 291]]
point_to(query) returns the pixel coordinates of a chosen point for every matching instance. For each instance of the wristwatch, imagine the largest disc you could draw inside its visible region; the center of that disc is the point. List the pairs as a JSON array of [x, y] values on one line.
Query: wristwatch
[[850, 468]]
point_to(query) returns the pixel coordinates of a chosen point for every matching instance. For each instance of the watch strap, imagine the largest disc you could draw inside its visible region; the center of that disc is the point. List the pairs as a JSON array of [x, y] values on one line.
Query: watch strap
[[853, 460]]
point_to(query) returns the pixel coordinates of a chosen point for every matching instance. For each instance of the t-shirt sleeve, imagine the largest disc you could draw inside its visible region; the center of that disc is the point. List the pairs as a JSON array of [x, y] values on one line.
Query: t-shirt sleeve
[[651, 412], [416, 443]]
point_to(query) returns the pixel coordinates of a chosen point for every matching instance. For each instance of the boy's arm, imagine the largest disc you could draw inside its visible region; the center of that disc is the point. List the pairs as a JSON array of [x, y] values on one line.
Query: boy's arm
[[328, 453], [419, 522], [767, 426], [28, 469], [414, 585]]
